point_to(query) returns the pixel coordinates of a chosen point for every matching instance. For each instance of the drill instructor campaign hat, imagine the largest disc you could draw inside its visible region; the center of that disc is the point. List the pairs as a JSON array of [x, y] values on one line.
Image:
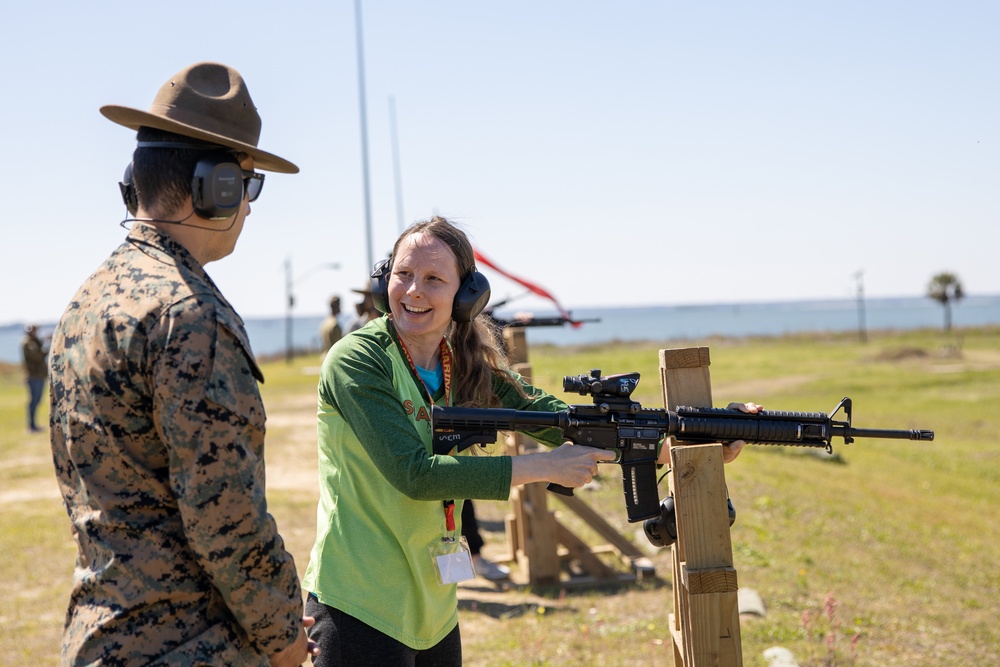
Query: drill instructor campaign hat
[[209, 102]]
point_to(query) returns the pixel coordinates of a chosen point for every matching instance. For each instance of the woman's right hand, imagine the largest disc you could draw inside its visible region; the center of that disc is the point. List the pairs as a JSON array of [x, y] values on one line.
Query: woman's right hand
[[568, 465]]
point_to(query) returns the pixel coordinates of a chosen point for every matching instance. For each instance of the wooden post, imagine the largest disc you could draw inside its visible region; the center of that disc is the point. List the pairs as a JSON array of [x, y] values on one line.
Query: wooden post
[[531, 529], [535, 533], [705, 625]]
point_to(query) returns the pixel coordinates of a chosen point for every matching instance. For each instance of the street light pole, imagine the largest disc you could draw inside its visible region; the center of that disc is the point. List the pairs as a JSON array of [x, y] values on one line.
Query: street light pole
[[289, 304], [290, 299], [397, 177], [862, 328], [364, 131]]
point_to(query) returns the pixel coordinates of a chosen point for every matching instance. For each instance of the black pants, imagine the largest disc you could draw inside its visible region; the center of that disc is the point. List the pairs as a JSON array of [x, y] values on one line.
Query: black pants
[[470, 528], [344, 641]]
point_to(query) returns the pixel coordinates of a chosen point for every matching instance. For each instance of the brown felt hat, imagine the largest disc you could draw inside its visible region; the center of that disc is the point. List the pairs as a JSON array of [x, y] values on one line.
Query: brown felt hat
[[209, 102]]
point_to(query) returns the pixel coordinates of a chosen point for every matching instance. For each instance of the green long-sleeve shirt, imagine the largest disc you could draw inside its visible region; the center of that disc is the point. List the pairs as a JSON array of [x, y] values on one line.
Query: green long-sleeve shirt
[[381, 488]]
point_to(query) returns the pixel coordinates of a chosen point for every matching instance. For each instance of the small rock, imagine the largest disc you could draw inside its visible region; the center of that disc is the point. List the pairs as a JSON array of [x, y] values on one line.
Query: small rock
[[750, 602], [778, 656]]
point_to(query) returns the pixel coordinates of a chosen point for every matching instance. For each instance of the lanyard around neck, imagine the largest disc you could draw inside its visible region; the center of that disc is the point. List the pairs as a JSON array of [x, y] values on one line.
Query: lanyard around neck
[[445, 369], [448, 505]]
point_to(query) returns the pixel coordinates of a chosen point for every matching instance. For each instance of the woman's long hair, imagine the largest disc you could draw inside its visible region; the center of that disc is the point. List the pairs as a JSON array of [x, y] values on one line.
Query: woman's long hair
[[478, 351]]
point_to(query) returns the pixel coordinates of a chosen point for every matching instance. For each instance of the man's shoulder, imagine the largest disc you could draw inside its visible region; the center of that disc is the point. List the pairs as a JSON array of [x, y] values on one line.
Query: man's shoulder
[[134, 280]]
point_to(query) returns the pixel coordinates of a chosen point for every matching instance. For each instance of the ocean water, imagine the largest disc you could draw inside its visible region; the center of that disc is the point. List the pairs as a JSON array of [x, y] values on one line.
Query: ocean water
[[269, 336]]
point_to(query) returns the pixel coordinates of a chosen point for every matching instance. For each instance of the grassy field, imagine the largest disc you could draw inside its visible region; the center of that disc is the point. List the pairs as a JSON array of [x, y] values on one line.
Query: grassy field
[[882, 555]]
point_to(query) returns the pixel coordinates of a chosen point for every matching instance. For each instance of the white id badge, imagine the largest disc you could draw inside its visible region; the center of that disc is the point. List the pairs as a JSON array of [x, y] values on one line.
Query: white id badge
[[453, 561]]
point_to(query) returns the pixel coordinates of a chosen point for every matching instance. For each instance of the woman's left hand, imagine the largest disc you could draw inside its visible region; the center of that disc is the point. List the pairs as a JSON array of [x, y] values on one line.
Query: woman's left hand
[[731, 450]]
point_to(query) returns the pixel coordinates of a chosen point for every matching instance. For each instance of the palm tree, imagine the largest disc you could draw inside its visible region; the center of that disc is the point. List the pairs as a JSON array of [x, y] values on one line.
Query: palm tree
[[945, 288]]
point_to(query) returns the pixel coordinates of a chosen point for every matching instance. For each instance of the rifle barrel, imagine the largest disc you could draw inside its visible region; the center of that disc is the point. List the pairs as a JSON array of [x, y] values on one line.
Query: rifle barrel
[[896, 434]]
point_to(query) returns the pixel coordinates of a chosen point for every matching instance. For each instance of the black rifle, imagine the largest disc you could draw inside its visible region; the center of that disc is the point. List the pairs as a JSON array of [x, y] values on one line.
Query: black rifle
[[617, 422], [533, 321]]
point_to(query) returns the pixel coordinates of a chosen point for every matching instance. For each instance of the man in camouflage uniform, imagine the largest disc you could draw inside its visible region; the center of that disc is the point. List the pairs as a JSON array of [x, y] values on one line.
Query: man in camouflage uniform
[[157, 421]]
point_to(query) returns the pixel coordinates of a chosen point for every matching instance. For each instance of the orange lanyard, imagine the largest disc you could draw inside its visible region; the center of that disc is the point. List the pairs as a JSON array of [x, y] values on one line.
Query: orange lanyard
[[445, 370], [449, 505]]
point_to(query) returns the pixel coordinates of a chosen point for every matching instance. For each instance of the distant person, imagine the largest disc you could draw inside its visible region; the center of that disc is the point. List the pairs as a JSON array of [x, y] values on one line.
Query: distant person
[[366, 310], [33, 353], [329, 329], [158, 425]]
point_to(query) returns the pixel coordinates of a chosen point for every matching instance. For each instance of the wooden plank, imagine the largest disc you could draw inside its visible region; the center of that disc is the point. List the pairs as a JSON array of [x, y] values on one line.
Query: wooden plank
[[603, 528], [579, 550], [678, 641], [538, 539], [678, 587], [710, 580], [684, 380], [700, 505], [517, 345], [715, 632], [584, 582], [685, 357], [535, 540], [705, 623], [683, 612], [684, 377], [513, 535]]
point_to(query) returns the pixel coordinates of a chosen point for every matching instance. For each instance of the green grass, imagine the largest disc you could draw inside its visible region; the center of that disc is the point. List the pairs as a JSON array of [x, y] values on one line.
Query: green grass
[[901, 534]]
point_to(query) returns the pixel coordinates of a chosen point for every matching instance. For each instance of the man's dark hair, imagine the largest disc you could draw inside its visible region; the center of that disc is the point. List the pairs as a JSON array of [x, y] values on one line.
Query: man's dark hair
[[162, 176]]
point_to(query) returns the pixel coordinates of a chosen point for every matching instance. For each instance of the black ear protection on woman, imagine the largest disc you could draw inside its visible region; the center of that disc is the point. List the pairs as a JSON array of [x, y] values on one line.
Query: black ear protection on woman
[[471, 298], [216, 186]]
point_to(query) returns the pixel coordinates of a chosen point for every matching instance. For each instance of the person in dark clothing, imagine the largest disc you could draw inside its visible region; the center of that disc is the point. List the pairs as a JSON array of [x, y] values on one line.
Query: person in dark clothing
[[34, 352]]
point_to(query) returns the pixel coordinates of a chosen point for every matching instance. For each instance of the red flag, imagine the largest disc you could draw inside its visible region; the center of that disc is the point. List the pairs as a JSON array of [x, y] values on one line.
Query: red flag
[[529, 285]]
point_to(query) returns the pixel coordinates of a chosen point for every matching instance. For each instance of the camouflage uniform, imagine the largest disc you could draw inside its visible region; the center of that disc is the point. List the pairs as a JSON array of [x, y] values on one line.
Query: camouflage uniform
[[158, 444]]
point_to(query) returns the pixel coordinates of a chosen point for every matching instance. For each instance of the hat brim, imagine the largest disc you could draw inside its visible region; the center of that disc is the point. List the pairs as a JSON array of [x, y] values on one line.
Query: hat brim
[[135, 118]]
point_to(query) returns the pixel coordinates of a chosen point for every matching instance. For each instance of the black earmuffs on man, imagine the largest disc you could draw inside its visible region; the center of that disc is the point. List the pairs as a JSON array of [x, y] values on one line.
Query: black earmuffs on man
[[216, 185]]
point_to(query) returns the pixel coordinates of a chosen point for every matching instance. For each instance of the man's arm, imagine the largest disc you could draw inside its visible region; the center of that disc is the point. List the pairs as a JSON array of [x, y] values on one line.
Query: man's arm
[[209, 414]]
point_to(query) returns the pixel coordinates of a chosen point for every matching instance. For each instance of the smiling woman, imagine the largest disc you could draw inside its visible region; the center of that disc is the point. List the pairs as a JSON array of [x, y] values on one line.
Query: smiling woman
[[422, 287], [382, 489]]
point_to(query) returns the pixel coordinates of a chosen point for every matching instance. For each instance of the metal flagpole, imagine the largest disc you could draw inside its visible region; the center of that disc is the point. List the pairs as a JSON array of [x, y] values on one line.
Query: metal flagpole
[[395, 165], [364, 134]]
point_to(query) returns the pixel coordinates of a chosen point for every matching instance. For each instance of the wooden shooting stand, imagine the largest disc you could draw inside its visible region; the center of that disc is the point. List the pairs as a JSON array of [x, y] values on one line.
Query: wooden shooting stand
[[539, 541], [705, 625]]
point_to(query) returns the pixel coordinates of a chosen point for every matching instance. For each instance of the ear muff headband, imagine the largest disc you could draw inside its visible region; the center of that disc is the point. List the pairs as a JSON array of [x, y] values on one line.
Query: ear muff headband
[[470, 299]]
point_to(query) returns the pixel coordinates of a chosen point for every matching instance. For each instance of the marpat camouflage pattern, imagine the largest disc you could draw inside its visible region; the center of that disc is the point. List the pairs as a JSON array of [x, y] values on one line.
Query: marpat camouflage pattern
[[158, 443]]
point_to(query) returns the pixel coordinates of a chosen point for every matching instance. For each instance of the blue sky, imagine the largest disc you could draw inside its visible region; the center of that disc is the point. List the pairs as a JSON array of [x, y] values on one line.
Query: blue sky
[[616, 153]]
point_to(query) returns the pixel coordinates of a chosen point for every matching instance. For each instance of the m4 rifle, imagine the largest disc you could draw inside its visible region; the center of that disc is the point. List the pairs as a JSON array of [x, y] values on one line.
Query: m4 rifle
[[615, 421]]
